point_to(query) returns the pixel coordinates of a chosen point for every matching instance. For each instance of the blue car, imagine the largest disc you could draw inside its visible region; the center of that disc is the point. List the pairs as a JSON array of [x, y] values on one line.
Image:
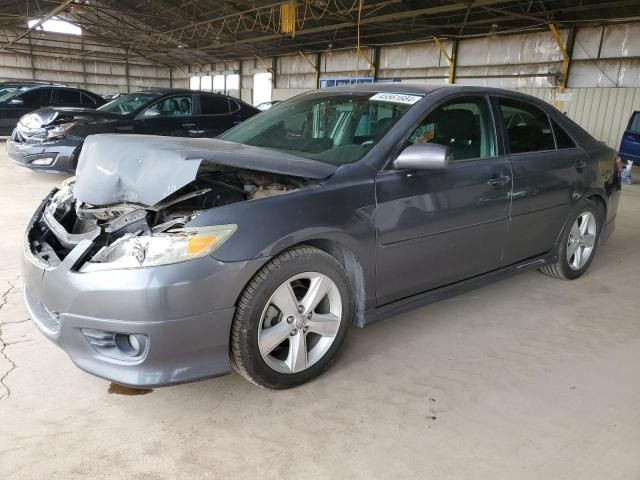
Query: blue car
[[630, 143]]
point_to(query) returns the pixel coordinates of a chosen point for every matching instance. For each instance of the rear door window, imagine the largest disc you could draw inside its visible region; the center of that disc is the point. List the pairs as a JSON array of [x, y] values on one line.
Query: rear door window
[[527, 126], [68, 97], [213, 105]]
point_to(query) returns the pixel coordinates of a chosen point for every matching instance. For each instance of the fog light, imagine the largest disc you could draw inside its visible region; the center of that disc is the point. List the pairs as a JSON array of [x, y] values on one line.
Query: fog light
[[43, 161], [131, 344]]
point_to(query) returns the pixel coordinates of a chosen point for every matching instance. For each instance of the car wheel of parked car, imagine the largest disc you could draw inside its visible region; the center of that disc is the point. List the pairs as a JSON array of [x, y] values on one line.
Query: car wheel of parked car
[[291, 319], [578, 244]]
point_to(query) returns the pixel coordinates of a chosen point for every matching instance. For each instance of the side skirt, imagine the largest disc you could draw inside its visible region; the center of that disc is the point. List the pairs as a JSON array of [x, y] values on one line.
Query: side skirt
[[441, 293]]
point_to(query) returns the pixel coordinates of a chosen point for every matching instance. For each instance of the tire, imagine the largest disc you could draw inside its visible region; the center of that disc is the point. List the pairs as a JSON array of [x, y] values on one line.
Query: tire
[[304, 340], [573, 245]]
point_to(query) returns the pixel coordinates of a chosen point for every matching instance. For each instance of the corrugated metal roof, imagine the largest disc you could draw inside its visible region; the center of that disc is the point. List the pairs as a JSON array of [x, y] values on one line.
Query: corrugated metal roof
[[204, 31]]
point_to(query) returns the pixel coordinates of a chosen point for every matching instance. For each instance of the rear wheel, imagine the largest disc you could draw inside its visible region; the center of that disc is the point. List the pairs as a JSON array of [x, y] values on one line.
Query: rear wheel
[[291, 319], [578, 245]]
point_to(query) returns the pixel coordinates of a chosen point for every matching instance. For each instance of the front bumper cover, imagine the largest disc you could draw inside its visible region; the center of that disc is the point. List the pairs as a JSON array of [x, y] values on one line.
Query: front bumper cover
[[185, 310], [61, 154]]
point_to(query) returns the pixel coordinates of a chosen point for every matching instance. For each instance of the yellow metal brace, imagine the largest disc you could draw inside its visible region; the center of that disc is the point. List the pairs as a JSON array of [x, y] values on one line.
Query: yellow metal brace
[[372, 67], [268, 67], [313, 65], [450, 58], [565, 63]]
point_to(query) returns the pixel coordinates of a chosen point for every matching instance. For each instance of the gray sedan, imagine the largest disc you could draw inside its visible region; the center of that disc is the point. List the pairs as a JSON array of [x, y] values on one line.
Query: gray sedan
[[168, 260]]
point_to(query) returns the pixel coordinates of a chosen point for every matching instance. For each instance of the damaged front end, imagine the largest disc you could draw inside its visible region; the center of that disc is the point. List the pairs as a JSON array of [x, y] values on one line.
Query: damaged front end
[[133, 235]]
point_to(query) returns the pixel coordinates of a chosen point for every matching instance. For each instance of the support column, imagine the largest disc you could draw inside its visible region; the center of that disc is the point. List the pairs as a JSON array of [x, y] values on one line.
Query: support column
[[33, 70], [318, 67], [84, 67], [376, 63], [126, 72]]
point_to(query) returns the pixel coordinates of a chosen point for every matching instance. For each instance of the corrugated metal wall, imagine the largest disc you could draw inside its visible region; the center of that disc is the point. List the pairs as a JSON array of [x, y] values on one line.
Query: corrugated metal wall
[[603, 112], [104, 70]]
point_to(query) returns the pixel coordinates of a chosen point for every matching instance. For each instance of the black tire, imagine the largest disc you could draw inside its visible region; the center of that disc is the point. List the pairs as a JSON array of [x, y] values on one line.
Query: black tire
[[562, 269], [245, 354]]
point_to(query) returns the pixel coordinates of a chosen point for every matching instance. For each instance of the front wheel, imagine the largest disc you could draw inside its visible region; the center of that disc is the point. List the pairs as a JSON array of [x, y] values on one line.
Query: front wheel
[[291, 319], [578, 245]]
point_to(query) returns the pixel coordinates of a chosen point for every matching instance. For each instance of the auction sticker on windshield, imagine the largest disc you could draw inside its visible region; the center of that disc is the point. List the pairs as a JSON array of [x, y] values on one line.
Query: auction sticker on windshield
[[396, 98]]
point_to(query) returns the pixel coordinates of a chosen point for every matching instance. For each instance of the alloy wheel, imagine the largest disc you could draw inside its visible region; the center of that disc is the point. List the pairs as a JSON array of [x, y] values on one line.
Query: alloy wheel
[[582, 240], [300, 322]]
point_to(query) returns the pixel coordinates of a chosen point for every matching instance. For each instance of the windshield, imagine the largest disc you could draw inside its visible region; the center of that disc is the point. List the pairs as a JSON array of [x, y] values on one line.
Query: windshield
[[331, 128], [6, 93], [128, 103]]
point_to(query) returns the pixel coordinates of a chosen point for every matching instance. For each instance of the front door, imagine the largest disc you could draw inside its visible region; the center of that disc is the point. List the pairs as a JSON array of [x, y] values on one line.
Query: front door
[[172, 116], [30, 100], [437, 227]]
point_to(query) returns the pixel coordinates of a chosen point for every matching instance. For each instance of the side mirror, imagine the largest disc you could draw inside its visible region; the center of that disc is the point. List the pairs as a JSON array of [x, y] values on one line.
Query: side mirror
[[423, 156], [16, 101]]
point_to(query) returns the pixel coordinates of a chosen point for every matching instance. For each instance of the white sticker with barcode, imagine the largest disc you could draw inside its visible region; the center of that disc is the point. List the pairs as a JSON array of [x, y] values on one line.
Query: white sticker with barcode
[[396, 98]]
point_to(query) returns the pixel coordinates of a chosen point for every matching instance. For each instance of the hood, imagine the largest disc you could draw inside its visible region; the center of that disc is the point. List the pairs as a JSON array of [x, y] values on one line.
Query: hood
[[145, 169], [58, 115]]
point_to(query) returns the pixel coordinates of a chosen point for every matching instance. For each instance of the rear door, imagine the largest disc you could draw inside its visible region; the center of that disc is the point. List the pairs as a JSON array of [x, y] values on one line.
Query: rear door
[[437, 227], [172, 116], [546, 179], [630, 143], [218, 113]]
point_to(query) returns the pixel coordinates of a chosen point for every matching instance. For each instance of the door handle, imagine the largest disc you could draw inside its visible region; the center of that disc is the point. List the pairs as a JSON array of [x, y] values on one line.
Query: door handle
[[579, 164], [499, 181], [188, 124]]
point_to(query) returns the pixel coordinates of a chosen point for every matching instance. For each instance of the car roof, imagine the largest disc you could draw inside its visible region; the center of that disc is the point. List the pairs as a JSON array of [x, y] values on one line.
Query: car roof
[[408, 88], [165, 91]]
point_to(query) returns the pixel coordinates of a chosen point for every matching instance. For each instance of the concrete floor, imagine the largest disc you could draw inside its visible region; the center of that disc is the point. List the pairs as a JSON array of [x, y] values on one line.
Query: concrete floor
[[527, 378]]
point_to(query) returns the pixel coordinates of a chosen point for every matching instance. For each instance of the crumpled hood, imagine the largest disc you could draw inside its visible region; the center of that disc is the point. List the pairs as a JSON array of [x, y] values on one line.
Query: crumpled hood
[[145, 169], [50, 115]]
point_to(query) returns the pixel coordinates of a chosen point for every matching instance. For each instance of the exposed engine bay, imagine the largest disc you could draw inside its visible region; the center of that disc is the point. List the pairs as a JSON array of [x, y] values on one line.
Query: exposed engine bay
[[66, 221]]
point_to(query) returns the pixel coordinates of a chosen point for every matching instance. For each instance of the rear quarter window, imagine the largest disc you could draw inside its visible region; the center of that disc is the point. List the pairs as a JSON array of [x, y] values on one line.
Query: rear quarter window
[[563, 139], [87, 100], [634, 123]]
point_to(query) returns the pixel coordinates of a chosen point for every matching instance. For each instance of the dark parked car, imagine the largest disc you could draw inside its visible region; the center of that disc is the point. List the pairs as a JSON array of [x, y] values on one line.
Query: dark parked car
[[630, 143], [169, 260], [51, 138], [20, 98]]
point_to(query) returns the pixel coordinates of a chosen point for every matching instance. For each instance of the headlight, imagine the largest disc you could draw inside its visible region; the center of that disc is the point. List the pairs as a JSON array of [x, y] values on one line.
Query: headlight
[[173, 246], [59, 130]]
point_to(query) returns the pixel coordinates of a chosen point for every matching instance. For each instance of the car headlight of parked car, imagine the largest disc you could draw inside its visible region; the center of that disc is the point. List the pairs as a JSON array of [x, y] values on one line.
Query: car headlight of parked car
[[59, 130], [178, 245]]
